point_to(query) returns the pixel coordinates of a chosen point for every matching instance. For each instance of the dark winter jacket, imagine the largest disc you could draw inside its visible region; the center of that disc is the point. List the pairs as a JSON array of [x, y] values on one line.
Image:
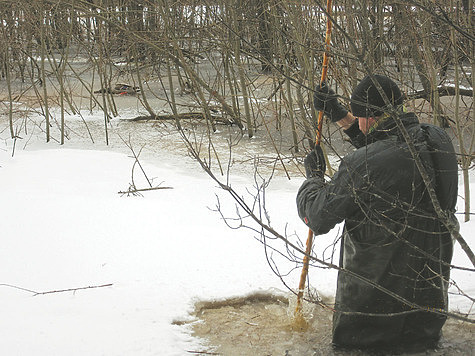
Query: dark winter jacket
[[392, 236]]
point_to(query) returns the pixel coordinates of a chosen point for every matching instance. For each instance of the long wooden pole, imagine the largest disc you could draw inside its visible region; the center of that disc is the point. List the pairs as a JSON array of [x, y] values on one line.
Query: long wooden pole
[[308, 249]]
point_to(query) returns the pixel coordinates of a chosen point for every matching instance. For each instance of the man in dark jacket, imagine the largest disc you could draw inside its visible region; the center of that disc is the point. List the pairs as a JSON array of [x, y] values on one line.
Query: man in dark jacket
[[395, 251]]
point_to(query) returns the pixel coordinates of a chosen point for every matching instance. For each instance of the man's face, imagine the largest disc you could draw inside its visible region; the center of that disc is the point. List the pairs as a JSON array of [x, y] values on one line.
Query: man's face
[[365, 123]]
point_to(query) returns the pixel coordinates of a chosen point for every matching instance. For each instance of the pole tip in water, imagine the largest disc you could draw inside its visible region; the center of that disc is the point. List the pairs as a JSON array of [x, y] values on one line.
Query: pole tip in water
[[299, 323]]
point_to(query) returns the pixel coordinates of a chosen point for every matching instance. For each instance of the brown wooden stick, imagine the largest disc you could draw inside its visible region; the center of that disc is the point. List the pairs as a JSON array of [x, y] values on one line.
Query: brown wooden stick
[[306, 259]]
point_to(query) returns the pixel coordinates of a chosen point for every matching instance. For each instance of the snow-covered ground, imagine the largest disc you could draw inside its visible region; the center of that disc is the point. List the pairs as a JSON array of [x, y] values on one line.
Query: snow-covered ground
[[64, 225]]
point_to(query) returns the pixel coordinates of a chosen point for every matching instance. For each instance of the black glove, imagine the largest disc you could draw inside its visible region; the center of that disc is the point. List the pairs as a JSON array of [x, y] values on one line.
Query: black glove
[[324, 99], [314, 163]]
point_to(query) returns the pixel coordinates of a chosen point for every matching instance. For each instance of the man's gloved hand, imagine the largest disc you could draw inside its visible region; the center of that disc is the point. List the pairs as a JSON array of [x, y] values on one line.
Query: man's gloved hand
[[314, 163], [324, 99]]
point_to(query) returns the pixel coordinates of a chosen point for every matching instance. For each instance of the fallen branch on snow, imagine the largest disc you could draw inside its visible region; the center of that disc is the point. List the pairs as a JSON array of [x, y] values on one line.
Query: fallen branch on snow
[[445, 90], [133, 191], [35, 293], [183, 116]]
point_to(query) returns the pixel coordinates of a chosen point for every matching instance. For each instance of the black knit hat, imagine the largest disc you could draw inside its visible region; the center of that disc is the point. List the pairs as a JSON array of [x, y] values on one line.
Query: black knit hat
[[366, 101]]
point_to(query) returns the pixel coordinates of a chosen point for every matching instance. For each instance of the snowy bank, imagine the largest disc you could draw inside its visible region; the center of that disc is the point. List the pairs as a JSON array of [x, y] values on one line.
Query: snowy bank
[[65, 226]]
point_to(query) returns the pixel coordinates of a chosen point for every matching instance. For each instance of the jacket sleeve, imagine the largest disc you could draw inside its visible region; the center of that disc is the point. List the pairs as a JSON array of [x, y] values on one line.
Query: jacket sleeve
[[356, 137], [321, 205]]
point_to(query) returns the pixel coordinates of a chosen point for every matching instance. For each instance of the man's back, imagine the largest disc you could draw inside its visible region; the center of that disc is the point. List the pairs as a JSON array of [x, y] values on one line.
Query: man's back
[[393, 237], [396, 240]]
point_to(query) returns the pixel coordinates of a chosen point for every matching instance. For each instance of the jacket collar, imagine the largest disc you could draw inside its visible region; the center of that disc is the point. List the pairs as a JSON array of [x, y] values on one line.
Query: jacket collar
[[387, 127]]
